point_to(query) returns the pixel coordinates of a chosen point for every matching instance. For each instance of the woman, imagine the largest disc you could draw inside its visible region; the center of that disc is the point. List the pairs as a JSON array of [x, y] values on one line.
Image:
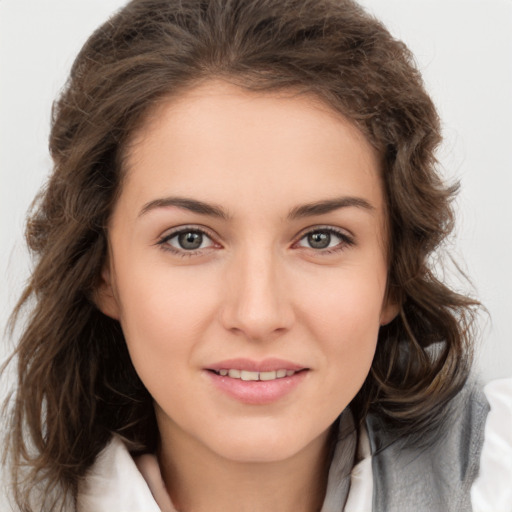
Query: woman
[[233, 299]]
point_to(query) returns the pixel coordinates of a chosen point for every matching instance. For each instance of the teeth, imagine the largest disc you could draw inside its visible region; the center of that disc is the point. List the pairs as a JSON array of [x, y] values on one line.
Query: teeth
[[253, 376], [245, 375]]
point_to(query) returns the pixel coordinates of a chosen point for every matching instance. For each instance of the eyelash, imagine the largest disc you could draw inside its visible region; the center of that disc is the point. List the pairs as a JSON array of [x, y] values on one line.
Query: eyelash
[[164, 241], [345, 240]]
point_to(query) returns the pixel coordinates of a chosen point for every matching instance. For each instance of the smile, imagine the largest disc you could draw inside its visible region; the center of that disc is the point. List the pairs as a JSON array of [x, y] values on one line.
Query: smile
[[248, 375], [254, 382]]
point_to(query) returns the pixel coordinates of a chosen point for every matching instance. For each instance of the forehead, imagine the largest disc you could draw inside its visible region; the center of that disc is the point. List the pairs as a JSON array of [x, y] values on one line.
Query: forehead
[[220, 142]]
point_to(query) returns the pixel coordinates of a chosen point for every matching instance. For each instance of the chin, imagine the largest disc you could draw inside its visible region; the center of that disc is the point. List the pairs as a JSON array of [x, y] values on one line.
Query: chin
[[261, 445], [254, 451]]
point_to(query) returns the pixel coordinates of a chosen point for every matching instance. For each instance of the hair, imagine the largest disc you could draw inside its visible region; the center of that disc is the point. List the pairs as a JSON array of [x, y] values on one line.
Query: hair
[[76, 384]]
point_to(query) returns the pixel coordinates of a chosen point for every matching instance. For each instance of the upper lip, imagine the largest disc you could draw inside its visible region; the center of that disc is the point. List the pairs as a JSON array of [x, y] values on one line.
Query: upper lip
[[266, 365]]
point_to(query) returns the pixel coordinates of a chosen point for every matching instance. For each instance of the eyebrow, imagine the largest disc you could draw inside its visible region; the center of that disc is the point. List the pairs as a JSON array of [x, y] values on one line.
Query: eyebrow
[[192, 205], [328, 206], [305, 210]]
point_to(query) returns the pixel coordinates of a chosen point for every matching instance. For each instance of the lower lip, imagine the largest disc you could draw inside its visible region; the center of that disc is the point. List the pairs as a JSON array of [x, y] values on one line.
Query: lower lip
[[257, 392]]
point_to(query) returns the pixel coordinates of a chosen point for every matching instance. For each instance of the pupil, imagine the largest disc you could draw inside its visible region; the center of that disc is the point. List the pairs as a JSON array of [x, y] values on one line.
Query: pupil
[[319, 240], [190, 240]]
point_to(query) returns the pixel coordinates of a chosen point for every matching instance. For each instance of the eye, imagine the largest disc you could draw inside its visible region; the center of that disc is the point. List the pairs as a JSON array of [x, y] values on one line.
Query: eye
[[325, 238], [186, 240]]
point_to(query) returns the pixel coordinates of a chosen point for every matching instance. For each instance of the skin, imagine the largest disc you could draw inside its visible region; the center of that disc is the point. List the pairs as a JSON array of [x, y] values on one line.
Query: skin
[[256, 288]]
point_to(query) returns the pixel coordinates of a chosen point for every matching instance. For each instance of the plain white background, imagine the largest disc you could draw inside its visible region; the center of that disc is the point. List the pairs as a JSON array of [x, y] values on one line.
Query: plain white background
[[463, 48]]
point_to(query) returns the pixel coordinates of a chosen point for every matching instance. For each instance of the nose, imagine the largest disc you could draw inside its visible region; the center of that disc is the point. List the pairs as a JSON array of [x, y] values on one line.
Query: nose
[[257, 302]]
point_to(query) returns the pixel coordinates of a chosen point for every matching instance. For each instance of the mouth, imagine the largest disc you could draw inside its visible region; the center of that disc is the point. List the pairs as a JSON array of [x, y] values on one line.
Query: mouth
[[248, 375], [256, 383]]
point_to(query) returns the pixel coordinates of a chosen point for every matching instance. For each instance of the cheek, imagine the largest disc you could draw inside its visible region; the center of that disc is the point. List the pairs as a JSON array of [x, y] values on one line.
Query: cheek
[[351, 339], [345, 320], [163, 316], [348, 303]]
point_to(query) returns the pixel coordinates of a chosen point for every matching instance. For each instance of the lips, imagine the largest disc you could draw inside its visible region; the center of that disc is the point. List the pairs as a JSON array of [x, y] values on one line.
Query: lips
[[256, 382]]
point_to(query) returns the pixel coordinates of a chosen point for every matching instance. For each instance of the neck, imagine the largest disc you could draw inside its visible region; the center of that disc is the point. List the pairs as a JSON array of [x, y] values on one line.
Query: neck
[[199, 480]]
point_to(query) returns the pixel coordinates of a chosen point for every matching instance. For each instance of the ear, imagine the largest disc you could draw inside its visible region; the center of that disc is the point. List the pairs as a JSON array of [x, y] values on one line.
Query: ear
[[104, 295], [390, 309]]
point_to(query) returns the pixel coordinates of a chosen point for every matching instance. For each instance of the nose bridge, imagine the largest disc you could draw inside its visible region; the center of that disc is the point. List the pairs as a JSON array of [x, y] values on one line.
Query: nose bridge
[[257, 302]]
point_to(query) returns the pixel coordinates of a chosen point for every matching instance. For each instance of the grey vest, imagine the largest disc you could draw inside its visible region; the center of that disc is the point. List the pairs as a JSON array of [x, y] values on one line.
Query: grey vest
[[437, 478]]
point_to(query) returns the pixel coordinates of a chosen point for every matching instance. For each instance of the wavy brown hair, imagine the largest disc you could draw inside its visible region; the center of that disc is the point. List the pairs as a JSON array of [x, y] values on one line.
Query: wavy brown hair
[[76, 385]]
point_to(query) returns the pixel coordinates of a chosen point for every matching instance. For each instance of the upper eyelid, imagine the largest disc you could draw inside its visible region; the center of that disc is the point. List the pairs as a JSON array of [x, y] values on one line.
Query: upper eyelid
[[169, 233], [346, 240], [325, 227], [163, 241]]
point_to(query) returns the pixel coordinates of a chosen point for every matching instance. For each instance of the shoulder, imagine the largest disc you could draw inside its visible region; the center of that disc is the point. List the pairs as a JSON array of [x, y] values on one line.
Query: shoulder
[[447, 471], [492, 489], [115, 483]]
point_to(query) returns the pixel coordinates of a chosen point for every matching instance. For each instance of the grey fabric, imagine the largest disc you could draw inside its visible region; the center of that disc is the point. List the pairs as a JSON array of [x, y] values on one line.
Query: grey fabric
[[338, 483], [438, 477]]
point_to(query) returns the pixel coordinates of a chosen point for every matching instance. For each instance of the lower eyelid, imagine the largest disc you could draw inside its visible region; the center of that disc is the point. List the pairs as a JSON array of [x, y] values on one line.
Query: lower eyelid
[[164, 240], [345, 239]]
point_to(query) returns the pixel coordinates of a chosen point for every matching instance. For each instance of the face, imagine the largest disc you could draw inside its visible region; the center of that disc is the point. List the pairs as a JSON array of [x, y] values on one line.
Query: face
[[248, 268]]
